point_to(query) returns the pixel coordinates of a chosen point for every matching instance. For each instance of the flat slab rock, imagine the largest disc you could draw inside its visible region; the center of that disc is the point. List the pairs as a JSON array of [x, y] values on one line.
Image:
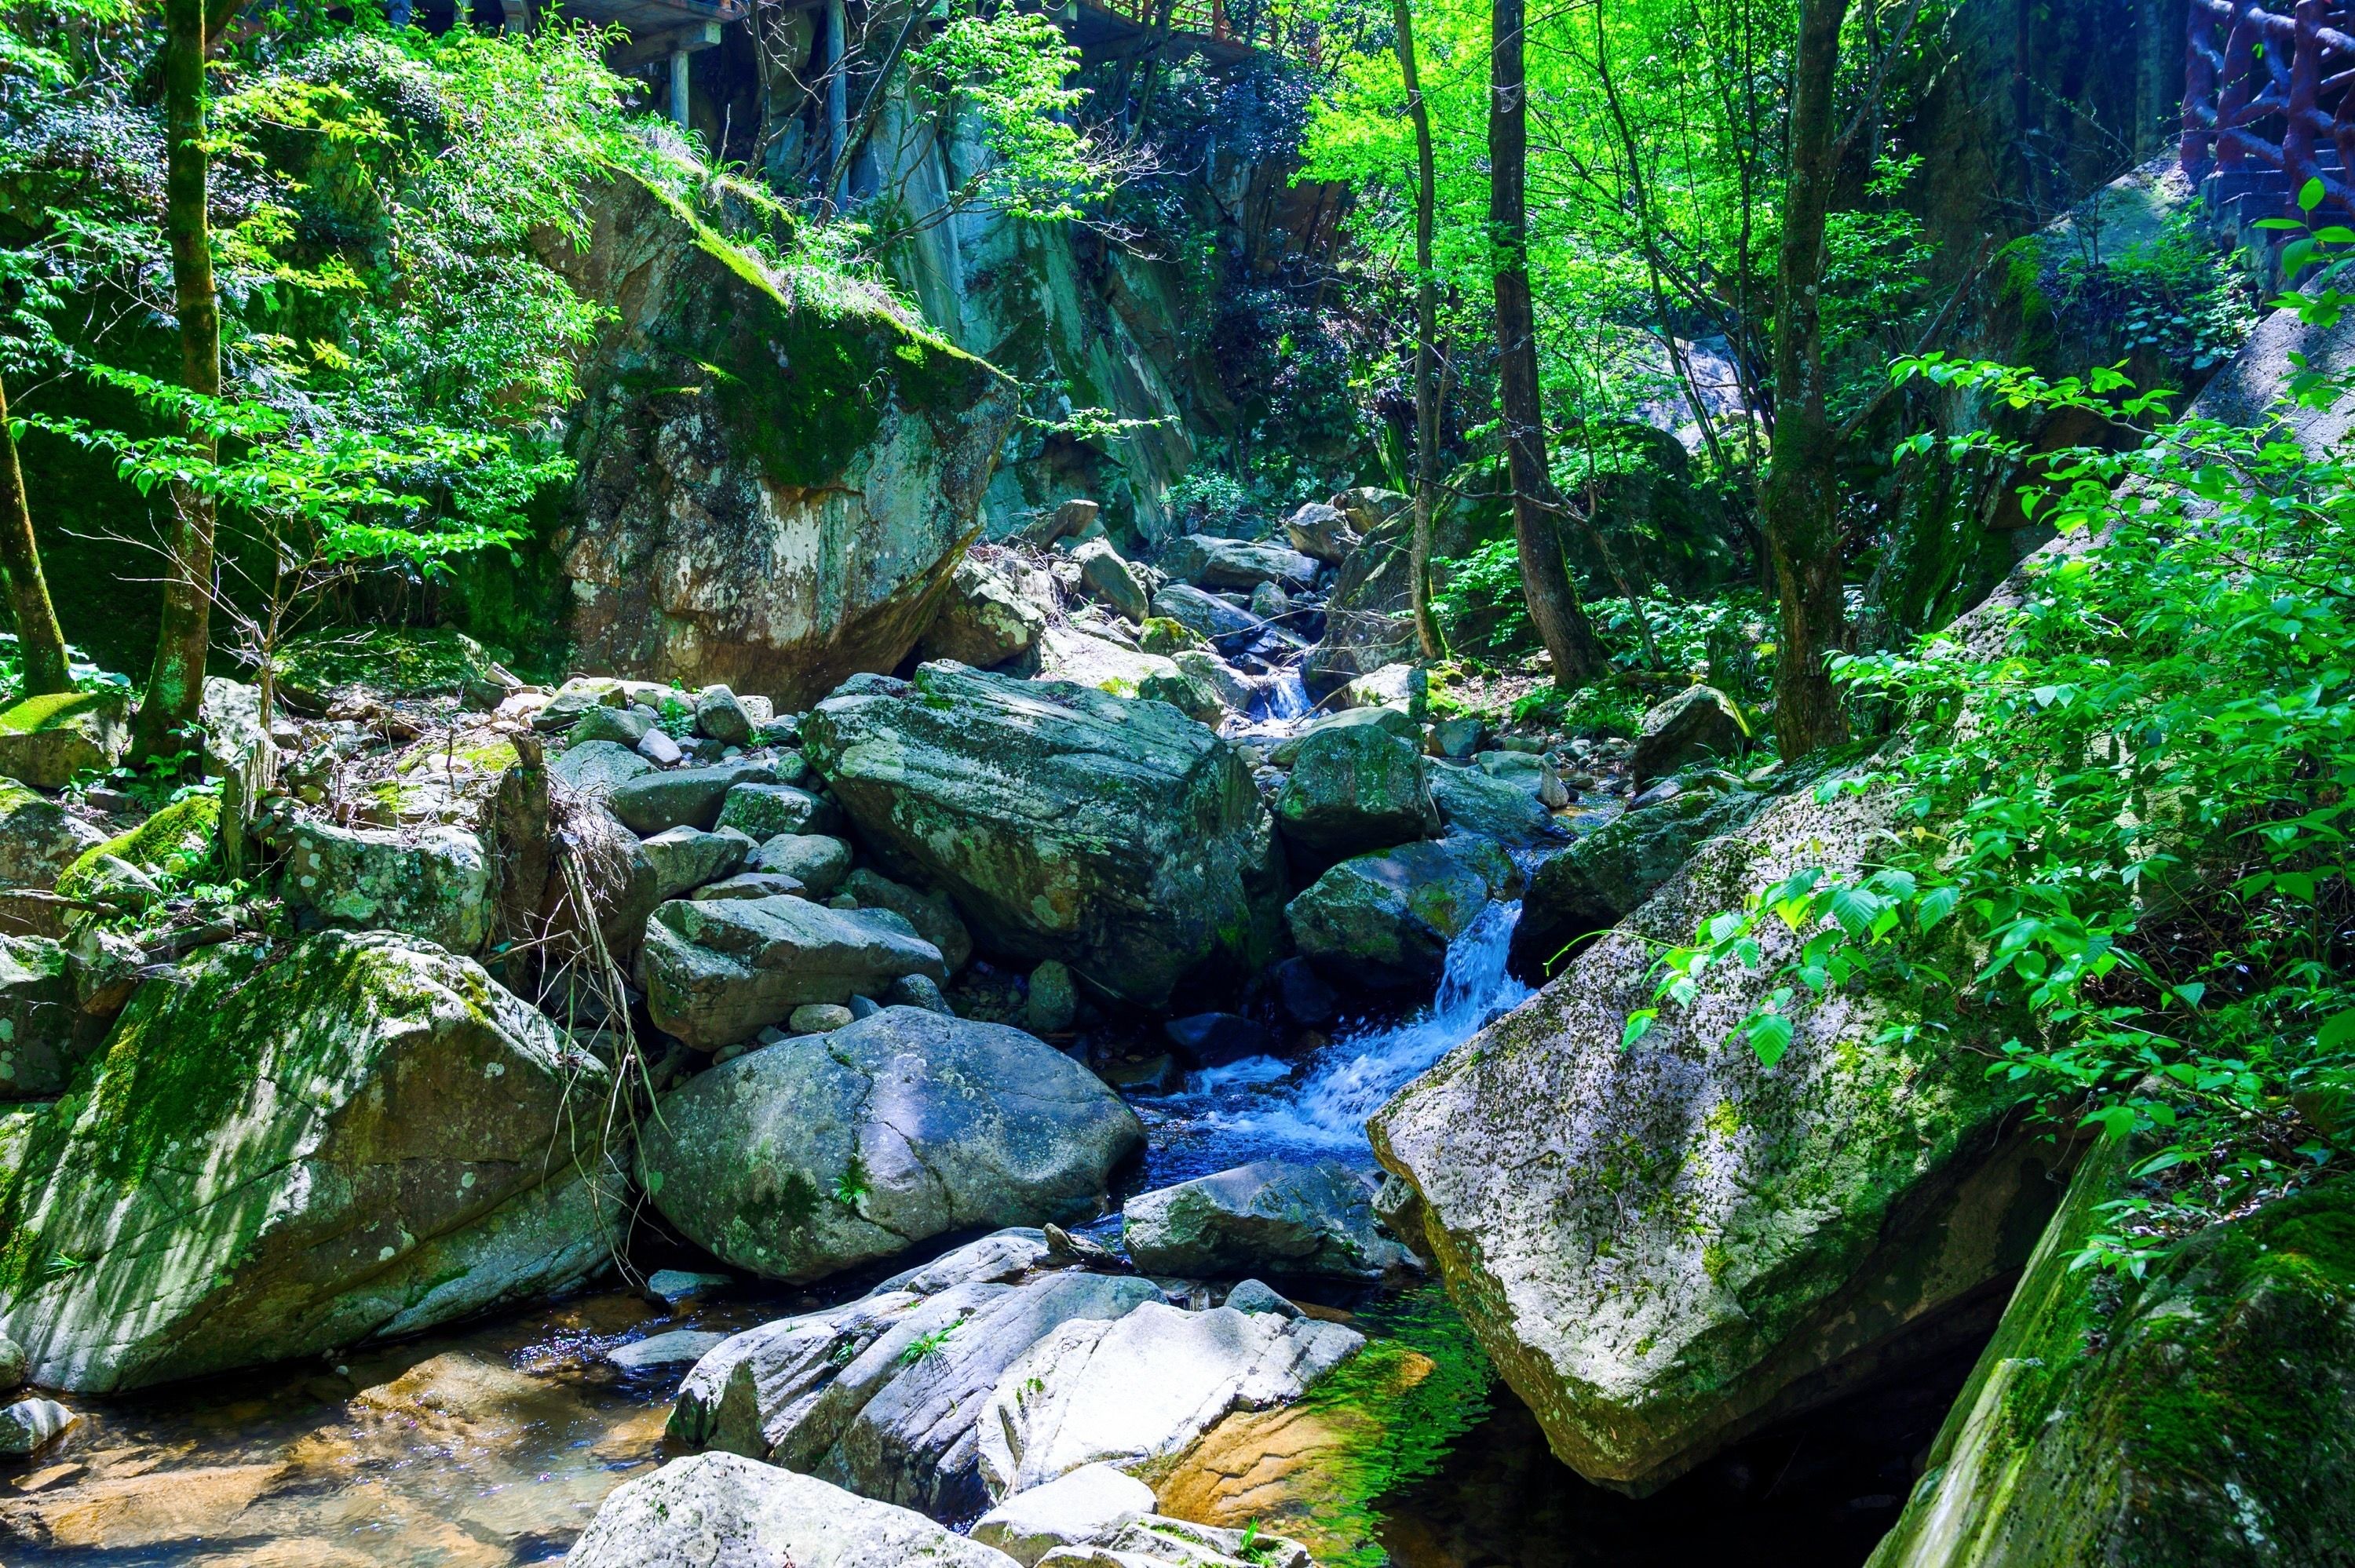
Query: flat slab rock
[[717, 972], [1285, 1216], [723, 1511], [1138, 1391], [882, 1394]]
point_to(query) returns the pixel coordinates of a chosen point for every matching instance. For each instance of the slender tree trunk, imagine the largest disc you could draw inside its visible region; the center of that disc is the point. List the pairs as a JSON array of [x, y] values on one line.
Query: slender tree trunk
[[1802, 498], [1554, 608], [39, 641], [176, 686], [1426, 334]]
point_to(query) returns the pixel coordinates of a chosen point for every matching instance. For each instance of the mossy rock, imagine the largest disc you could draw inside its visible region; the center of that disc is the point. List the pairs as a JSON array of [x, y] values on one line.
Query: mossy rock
[[177, 843], [285, 1149], [46, 740], [2201, 1414], [391, 662]]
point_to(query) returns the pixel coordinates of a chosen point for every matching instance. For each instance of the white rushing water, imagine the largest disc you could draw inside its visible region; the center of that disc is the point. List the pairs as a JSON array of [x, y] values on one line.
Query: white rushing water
[[1262, 1106], [1284, 696]]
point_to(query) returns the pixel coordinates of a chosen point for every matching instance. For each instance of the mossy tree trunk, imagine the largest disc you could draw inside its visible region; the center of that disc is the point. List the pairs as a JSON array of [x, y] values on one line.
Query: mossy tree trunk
[[1426, 332], [1802, 496], [1554, 611], [176, 684], [40, 641]]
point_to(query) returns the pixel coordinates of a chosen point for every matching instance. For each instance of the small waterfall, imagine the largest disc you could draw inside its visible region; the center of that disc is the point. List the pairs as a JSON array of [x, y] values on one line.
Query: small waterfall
[[1282, 697], [1351, 1078], [1262, 1106]]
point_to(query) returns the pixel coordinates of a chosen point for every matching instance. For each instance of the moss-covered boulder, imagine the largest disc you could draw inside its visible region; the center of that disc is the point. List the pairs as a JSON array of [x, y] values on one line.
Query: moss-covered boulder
[[285, 1149], [776, 482], [386, 662], [38, 839], [984, 620], [1386, 920], [1354, 789], [431, 882], [1666, 1247], [2201, 1414], [45, 741], [176, 843], [38, 1012], [1121, 837]]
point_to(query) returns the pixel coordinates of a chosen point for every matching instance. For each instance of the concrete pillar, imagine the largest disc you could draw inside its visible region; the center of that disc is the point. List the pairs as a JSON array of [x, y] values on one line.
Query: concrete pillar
[[678, 103], [837, 95]]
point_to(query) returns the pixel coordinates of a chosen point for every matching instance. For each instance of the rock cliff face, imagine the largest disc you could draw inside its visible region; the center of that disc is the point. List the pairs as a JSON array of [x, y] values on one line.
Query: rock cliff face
[[776, 479]]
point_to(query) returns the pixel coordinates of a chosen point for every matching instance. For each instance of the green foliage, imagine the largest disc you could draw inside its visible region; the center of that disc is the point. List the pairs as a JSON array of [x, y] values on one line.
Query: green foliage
[[1007, 73], [926, 1345], [853, 1186], [2127, 826]]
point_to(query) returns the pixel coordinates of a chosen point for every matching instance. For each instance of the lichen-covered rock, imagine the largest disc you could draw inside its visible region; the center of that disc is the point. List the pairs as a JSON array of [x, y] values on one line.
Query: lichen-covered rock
[[720, 971], [1118, 836], [285, 1151], [1240, 563], [721, 1510], [38, 1011], [1136, 1391], [1607, 873], [1700, 724], [1368, 620], [2196, 1415], [434, 883], [685, 858], [1812, 1223], [1473, 800], [1386, 920], [1353, 790], [45, 741], [1229, 630], [1067, 654], [932, 916], [882, 1394], [818, 861], [765, 811], [689, 797], [1390, 721], [812, 1155], [598, 768], [778, 487], [982, 620], [720, 715], [1111, 582], [1282, 1216], [1322, 532], [38, 839], [1088, 1506]]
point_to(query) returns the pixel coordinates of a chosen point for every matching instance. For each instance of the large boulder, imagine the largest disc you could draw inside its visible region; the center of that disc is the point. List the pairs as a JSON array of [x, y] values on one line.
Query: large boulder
[[721, 1510], [1282, 1216], [823, 1152], [283, 1150], [983, 620], [1108, 578], [1118, 836], [176, 842], [316, 667], [2194, 1413], [1238, 564], [45, 741], [433, 883], [38, 839], [38, 1011], [1386, 920], [1606, 875], [932, 916], [1354, 789], [882, 1394], [1369, 615], [719, 971], [1140, 1390], [684, 796], [1228, 629], [1322, 532], [1066, 653], [1828, 1218], [776, 490], [1506, 809], [1700, 724]]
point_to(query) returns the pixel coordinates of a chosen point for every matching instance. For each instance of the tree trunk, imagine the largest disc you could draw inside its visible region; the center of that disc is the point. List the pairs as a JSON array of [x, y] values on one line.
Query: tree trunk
[[176, 686], [1802, 498], [39, 641], [1426, 333], [1554, 608]]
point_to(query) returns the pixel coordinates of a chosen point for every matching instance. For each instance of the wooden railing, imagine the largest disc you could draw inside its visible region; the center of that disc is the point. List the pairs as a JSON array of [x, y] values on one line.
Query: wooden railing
[[2262, 81]]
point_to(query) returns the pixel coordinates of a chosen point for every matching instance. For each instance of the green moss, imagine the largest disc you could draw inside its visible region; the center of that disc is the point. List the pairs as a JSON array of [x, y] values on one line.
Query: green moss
[[35, 715], [399, 662], [176, 842]]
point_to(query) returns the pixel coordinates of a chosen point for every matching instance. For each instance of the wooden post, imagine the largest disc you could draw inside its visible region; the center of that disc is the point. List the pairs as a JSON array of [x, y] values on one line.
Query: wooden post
[[2240, 71], [678, 100]]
